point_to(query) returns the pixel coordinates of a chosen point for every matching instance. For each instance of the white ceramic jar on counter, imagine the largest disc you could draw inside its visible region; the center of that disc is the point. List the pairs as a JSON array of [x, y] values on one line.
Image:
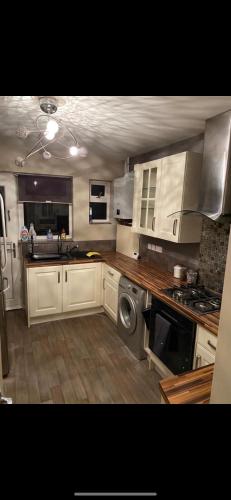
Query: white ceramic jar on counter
[[179, 271]]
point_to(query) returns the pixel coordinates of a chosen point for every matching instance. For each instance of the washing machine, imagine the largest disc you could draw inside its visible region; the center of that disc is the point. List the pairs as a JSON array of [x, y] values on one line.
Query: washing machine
[[131, 303]]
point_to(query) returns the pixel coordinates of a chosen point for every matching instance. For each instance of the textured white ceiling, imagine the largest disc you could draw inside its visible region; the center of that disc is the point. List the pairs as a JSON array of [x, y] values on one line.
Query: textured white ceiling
[[119, 126]]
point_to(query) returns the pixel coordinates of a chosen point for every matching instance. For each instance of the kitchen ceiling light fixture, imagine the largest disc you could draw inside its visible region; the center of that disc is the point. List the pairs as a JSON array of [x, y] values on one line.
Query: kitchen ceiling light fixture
[[55, 139]]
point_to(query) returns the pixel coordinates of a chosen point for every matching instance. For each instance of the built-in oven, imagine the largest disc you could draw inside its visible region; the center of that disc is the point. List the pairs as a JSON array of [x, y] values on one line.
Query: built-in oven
[[171, 337]]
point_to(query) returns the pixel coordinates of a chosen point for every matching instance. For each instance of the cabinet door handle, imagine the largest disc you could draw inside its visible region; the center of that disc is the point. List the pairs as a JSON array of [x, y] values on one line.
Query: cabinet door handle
[[174, 227], [65, 275], [14, 250], [198, 359], [111, 274], [211, 345], [104, 284], [7, 284], [59, 277], [153, 223]]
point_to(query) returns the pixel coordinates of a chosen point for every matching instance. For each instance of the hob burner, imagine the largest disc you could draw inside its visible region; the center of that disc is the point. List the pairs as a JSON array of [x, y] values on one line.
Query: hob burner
[[203, 306], [196, 298]]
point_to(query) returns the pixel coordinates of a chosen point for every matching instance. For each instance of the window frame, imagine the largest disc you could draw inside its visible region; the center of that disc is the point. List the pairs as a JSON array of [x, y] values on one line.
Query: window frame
[[103, 199]]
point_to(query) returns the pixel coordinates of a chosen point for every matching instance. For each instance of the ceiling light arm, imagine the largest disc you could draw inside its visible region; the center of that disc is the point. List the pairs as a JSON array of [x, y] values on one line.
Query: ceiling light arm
[[34, 151]]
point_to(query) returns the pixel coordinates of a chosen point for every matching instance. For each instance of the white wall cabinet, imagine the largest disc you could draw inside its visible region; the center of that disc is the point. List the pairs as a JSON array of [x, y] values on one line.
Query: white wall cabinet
[[111, 279], [81, 286], [45, 290], [163, 187], [61, 289], [205, 350], [145, 200]]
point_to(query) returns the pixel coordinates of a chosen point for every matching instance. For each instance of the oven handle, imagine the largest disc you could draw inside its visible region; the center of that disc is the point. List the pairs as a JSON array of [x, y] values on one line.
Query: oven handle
[[170, 317]]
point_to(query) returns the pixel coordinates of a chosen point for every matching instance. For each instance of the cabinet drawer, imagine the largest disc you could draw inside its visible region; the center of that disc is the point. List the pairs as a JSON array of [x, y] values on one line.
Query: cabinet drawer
[[207, 339], [203, 357], [110, 272]]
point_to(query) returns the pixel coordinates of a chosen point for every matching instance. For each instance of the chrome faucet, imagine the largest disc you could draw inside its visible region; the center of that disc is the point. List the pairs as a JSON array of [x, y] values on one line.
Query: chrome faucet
[[32, 244], [59, 243]]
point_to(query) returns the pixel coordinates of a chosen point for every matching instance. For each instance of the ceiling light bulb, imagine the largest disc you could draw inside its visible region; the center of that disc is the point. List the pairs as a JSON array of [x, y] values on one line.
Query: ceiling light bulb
[[22, 132], [46, 155], [19, 161], [52, 127], [82, 152], [73, 151], [49, 135]]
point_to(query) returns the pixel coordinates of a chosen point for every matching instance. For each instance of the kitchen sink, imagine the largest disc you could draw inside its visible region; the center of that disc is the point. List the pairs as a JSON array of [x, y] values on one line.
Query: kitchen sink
[[46, 256], [60, 256]]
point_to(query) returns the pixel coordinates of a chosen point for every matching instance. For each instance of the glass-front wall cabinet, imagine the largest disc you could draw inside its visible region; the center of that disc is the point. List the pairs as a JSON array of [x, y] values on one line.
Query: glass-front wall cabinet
[[146, 204], [162, 189]]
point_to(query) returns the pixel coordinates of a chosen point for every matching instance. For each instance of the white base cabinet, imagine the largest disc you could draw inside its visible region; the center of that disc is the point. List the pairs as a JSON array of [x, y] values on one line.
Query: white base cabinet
[[55, 289], [111, 279], [205, 350], [45, 290], [81, 286]]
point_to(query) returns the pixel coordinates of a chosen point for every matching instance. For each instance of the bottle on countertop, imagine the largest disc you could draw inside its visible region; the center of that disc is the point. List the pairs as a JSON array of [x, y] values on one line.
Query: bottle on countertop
[[63, 234], [32, 231], [24, 234], [192, 277], [49, 234]]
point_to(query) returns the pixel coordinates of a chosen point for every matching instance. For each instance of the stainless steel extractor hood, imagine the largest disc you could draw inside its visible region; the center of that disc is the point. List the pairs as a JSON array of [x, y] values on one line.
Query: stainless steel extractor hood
[[215, 192]]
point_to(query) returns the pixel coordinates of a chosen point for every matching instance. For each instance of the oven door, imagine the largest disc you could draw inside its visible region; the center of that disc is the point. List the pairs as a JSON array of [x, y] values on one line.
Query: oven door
[[172, 337]]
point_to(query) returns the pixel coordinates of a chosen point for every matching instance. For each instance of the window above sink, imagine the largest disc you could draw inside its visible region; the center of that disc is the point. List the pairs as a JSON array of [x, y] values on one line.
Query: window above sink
[[46, 201], [54, 216]]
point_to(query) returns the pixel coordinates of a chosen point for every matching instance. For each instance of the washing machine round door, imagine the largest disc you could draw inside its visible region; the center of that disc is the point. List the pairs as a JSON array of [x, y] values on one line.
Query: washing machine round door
[[127, 312]]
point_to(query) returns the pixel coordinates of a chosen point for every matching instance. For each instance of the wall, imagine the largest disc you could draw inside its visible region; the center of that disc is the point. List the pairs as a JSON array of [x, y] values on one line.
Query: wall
[[209, 257], [221, 385], [92, 167], [213, 253], [186, 254], [192, 144]]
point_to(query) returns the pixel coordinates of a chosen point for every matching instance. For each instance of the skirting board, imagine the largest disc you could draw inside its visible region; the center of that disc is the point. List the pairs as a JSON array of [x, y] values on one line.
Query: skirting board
[[56, 317], [13, 308]]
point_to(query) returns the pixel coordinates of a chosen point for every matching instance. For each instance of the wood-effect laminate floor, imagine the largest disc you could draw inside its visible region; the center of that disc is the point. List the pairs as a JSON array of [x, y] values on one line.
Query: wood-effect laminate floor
[[75, 361]]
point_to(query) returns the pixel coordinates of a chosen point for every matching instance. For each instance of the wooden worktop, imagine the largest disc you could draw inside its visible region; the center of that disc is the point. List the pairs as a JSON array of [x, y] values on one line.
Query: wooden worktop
[[155, 280], [193, 387], [41, 263], [148, 276]]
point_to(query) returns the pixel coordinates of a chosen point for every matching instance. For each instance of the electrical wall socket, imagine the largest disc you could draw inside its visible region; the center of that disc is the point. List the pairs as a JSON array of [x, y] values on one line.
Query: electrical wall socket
[[155, 248]]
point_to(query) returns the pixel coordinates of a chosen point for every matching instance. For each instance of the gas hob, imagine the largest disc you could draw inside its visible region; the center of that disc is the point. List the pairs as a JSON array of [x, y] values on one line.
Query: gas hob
[[197, 298]]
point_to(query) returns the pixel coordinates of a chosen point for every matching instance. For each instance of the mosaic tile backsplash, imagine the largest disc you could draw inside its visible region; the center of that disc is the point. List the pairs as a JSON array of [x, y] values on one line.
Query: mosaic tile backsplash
[[208, 257], [213, 253]]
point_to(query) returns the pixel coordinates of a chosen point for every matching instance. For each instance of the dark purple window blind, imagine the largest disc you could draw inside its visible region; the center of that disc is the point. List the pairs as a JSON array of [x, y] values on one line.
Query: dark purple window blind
[[36, 188]]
